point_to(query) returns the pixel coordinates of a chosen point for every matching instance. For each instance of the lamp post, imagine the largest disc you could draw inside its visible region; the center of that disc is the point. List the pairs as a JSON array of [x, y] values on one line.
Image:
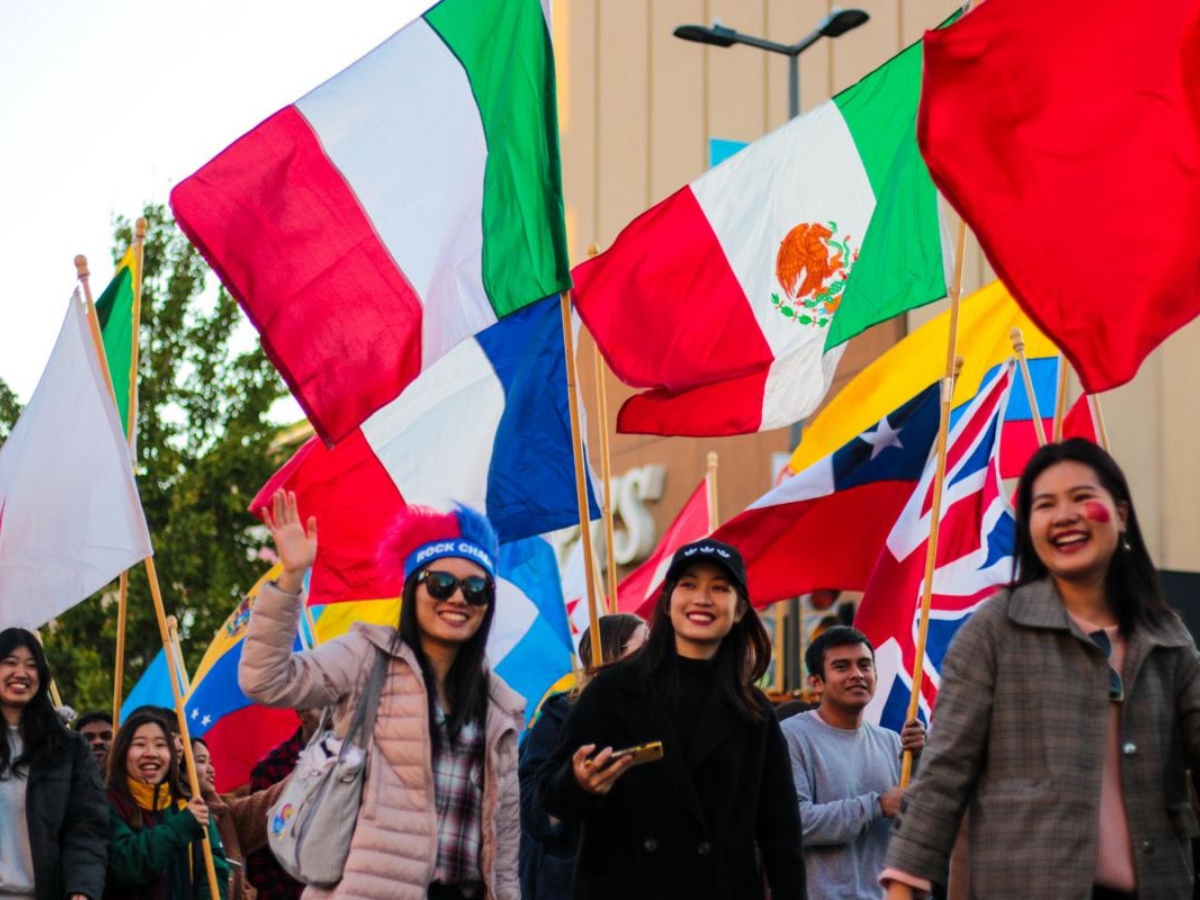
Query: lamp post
[[837, 23]]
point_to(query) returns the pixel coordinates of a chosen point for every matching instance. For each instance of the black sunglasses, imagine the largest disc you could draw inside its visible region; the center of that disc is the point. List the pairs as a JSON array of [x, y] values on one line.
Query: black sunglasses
[[477, 590]]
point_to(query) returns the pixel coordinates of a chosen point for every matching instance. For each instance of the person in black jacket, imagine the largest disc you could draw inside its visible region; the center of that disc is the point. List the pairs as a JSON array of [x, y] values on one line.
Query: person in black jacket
[[716, 816], [53, 816], [548, 846]]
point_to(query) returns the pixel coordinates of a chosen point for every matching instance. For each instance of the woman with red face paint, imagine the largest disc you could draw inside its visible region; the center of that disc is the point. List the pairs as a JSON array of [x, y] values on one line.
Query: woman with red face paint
[[716, 818], [439, 816], [1068, 712]]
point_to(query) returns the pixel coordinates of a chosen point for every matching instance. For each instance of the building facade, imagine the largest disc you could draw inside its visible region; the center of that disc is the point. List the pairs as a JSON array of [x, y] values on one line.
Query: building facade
[[638, 109]]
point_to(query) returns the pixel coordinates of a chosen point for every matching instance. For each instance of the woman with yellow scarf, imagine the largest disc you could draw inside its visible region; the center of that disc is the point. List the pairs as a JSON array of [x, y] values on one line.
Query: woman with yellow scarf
[[155, 851]]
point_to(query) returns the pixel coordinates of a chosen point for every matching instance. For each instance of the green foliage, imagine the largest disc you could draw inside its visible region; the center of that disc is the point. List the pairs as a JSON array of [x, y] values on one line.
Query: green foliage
[[203, 451], [10, 409]]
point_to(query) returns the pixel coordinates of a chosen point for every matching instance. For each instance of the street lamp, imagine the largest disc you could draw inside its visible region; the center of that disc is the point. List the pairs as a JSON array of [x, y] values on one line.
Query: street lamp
[[837, 23]]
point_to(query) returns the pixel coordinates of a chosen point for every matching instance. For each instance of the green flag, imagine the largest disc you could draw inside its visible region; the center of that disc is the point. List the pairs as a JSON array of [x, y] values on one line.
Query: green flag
[[903, 260], [114, 309]]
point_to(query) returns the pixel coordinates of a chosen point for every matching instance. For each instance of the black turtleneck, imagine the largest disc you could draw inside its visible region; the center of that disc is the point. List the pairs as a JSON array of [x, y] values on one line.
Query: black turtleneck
[[695, 684]]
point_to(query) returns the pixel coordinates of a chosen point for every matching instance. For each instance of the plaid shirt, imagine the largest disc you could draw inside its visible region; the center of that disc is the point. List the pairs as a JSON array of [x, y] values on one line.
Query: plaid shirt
[[458, 793], [262, 870]]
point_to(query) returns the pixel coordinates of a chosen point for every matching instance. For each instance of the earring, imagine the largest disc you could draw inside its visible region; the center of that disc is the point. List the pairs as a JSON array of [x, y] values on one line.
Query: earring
[[1125, 542]]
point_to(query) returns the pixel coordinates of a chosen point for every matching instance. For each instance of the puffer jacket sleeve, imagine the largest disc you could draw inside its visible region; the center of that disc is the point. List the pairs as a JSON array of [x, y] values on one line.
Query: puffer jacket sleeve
[[508, 825], [85, 830], [271, 674]]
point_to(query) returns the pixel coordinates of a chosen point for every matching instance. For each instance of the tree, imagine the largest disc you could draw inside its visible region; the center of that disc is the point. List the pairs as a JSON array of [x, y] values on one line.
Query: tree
[[204, 448], [10, 409]]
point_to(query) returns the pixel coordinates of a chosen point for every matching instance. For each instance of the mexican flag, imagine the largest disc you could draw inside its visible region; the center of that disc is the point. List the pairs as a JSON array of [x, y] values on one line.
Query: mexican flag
[[398, 209], [70, 516], [114, 309], [732, 299]]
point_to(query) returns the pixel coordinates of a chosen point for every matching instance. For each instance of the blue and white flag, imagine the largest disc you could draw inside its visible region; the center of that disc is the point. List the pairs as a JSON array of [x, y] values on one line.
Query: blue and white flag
[[489, 426]]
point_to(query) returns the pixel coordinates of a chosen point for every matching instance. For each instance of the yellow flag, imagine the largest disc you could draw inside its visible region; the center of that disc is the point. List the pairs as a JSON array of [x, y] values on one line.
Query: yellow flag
[[984, 322]]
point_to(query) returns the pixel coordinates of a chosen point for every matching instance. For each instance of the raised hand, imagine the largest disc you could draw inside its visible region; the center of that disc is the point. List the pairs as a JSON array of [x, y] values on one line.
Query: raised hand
[[295, 543]]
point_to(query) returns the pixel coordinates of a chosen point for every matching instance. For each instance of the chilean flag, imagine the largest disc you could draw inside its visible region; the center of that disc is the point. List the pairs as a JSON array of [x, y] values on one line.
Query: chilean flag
[[974, 556], [824, 527]]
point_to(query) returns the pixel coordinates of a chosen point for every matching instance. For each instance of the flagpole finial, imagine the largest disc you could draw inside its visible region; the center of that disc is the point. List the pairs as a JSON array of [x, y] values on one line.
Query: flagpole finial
[[593, 250], [81, 266], [959, 362], [1018, 339], [139, 228]]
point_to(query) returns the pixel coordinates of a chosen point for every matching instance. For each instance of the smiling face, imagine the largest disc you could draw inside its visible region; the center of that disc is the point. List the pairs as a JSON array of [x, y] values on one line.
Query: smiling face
[[848, 681], [1075, 525], [704, 608], [204, 767], [448, 624], [149, 756], [19, 678]]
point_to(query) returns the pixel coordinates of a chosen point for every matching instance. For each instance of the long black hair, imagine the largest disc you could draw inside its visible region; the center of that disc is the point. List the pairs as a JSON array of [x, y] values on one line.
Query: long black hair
[[741, 659], [1132, 584], [42, 732], [467, 680]]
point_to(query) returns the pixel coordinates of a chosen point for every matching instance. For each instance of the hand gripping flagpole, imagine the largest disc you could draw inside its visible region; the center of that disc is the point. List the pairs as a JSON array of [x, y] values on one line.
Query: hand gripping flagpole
[[1018, 343], [953, 364], [585, 530], [159, 610]]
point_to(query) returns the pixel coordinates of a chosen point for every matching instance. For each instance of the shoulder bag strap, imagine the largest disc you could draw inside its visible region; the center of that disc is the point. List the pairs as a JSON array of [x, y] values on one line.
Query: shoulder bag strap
[[363, 723]]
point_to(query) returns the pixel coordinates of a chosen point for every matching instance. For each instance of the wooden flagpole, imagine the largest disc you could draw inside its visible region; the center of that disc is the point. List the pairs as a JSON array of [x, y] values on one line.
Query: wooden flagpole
[[939, 477], [160, 614], [710, 479], [585, 530], [139, 243], [185, 682], [605, 467], [1060, 399], [81, 271], [1018, 343], [180, 712], [312, 623], [1098, 418]]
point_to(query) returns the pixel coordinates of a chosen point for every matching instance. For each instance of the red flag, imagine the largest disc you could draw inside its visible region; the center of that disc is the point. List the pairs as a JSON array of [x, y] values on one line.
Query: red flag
[[640, 588], [1072, 148]]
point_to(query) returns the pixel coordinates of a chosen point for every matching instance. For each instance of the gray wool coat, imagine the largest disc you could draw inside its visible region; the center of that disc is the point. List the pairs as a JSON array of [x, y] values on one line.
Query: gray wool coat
[[1018, 737]]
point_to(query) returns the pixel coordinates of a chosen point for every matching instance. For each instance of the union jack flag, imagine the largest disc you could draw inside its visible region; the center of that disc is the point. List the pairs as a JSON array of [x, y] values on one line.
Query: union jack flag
[[974, 556]]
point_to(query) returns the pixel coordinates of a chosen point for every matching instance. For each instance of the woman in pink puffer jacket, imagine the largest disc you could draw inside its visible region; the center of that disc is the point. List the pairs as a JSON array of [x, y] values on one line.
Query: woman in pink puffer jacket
[[439, 815]]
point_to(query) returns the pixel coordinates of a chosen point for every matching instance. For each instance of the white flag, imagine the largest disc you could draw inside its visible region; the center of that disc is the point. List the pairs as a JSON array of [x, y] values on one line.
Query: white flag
[[70, 516]]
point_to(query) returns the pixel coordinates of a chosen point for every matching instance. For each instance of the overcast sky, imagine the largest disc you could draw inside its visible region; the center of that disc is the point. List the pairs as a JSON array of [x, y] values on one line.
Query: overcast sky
[[105, 105]]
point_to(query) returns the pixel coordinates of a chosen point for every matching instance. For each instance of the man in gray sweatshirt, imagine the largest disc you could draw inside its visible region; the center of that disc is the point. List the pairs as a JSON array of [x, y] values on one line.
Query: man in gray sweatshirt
[[846, 770]]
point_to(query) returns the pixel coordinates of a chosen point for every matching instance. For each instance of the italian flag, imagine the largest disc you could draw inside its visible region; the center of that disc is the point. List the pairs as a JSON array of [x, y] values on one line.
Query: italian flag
[[732, 299], [398, 209], [114, 309]]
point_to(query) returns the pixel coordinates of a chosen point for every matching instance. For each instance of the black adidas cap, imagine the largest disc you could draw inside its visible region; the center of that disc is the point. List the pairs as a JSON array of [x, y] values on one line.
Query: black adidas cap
[[712, 551]]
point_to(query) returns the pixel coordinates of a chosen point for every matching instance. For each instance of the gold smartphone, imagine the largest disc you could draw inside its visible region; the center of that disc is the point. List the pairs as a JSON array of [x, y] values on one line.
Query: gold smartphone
[[641, 753]]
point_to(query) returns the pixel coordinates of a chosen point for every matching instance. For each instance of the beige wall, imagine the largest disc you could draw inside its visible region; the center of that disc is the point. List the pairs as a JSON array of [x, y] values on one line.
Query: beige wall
[[637, 108]]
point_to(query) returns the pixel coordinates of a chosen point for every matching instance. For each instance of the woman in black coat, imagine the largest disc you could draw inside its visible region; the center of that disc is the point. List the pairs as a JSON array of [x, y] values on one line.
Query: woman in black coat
[[717, 816], [548, 846], [53, 816]]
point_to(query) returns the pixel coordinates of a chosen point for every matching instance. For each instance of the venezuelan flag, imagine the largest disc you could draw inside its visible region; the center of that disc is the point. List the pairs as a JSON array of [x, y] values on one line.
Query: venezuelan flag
[[114, 309], [985, 320]]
